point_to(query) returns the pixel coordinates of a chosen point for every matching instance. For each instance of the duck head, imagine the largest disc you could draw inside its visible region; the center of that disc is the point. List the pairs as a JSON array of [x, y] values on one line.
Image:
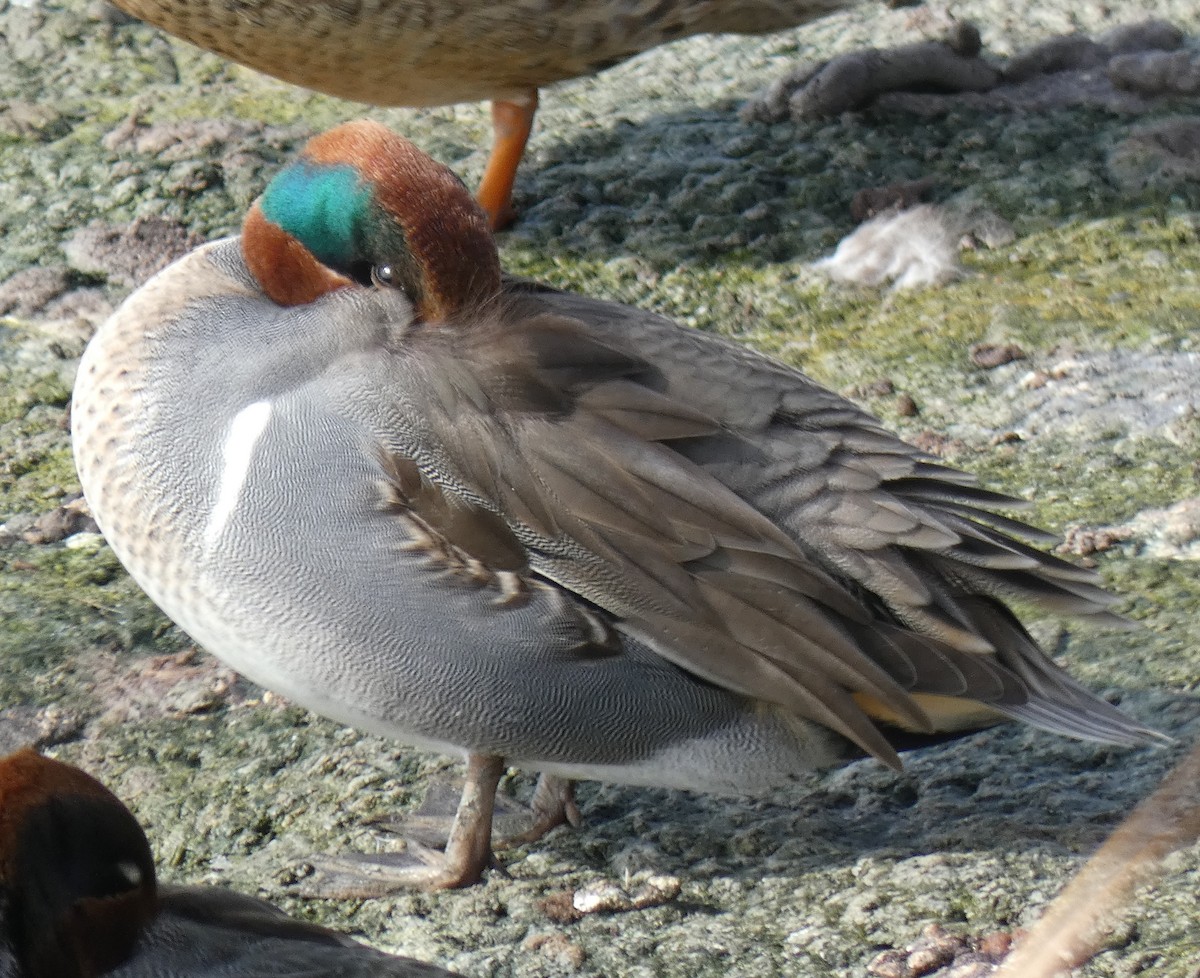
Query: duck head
[[364, 207], [77, 882]]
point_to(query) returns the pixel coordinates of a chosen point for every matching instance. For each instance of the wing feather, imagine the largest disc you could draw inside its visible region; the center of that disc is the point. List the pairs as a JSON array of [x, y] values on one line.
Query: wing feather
[[753, 528]]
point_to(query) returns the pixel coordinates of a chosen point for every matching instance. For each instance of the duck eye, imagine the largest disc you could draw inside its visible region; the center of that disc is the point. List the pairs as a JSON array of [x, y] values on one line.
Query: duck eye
[[131, 871], [385, 277]]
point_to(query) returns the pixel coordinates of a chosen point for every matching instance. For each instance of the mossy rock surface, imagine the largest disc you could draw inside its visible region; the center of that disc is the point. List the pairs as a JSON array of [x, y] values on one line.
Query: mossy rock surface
[[643, 185]]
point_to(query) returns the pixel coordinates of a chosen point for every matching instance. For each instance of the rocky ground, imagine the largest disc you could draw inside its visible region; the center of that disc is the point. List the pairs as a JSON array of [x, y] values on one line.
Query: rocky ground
[[1057, 358]]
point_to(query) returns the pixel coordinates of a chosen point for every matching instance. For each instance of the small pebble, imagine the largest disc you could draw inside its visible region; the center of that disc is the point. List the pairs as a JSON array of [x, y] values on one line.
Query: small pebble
[[988, 356]]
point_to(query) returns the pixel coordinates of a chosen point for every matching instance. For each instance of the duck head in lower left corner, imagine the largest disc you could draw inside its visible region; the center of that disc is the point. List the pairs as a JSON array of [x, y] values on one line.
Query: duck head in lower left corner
[[77, 883]]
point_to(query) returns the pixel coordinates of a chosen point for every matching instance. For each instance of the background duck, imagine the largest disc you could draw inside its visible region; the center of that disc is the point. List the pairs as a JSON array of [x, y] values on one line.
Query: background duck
[[364, 469], [81, 899], [435, 52]]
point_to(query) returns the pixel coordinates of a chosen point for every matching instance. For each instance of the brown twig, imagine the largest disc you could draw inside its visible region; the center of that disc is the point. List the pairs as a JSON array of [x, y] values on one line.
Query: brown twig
[[1075, 923]]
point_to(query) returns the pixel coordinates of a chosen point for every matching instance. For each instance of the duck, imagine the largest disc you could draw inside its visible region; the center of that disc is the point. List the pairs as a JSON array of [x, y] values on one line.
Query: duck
[[79, 898], [438, 52], [475, 514]]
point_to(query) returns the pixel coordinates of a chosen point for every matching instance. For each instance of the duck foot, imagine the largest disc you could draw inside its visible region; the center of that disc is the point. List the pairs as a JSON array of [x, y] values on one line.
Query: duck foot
[[552, 805], [468, 850], [513, 824]]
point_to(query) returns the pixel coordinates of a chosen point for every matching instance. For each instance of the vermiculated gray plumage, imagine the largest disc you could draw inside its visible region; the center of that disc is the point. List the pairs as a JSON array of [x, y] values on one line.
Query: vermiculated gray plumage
[[565, 532]]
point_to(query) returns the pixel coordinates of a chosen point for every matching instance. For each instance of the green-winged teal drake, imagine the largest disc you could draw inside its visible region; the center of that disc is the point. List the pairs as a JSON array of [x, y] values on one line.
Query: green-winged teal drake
[[365, 469]]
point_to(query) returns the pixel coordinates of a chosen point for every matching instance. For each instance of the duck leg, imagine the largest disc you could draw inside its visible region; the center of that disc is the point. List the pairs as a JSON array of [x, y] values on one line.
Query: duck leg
[[553, 804], [468, 850], [512, 122], [513, 823]]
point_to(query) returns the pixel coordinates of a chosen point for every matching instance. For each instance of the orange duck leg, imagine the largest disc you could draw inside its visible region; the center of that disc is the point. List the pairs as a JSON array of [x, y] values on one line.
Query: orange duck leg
[[512, 121]]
